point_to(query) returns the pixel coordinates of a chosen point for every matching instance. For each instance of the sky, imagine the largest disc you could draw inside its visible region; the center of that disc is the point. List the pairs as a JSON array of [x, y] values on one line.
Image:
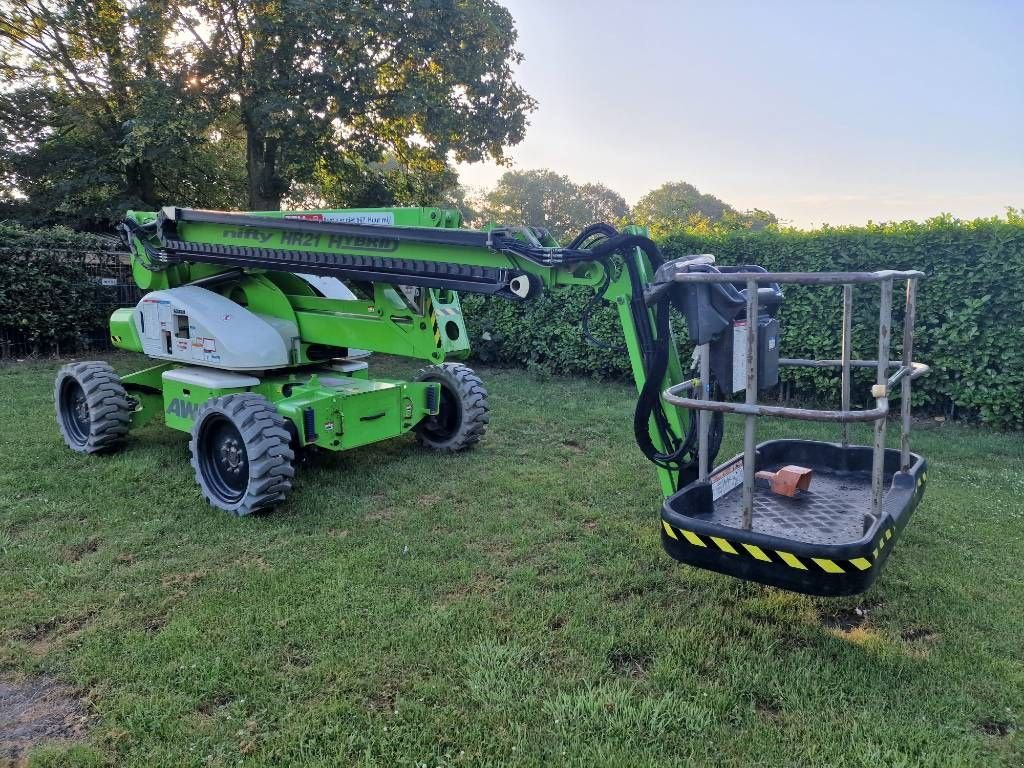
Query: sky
[[822, 112]]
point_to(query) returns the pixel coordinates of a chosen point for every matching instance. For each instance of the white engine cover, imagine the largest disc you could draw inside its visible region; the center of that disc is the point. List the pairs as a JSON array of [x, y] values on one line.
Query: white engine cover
[[333, 288], [194, 325]]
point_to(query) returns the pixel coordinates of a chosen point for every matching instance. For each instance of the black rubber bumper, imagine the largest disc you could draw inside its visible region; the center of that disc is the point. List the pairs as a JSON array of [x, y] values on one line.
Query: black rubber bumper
[[691, 536]]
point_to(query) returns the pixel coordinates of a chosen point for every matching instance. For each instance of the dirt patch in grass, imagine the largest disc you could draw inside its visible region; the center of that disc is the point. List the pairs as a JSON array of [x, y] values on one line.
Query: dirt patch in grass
[[629, 662], [42, 635], [384, 700], [768, 709], [75, 552], [155, 623], [35, 711], [209, 706], [295, 657], [182, 581], [482, 584], [995, 727], [922, 634], [845, 619]]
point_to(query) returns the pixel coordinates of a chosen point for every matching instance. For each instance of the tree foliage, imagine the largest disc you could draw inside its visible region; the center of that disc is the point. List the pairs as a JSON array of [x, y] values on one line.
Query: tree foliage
[[333, 89], [100, 116], [546, 199], [678, 206], [118, 104]]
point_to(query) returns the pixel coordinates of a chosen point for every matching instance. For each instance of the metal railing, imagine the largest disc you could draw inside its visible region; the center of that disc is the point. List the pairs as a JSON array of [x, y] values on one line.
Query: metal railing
[[906, 371]]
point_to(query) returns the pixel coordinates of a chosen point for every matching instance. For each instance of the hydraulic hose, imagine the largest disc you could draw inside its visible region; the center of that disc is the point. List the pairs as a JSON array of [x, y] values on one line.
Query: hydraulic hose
[[679, 451]]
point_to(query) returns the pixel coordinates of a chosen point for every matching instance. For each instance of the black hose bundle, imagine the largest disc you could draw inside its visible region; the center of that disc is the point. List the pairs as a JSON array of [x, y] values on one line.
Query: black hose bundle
[[680, 451]]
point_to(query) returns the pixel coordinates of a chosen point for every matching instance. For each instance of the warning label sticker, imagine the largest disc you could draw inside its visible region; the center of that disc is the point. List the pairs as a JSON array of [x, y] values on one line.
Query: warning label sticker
[[726, 479], [380, 218]]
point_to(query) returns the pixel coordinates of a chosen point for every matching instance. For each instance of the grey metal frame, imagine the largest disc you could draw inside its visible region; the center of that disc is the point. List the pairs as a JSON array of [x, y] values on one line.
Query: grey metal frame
[[906, 371]]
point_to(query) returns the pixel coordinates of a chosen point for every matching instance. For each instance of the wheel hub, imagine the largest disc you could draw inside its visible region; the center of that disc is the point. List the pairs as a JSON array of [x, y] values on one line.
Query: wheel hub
[[81, 408], [223, 459], [75, 412], [232, 455]]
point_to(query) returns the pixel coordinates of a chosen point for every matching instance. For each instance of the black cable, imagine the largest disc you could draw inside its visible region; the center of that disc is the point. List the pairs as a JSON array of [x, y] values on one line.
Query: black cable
[[680, 452], [589, 231], [595, 301]]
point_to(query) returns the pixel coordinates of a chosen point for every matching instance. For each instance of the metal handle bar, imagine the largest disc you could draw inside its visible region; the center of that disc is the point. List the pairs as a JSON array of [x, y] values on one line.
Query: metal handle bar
[[672, 395], [917, 370], [807, 278]]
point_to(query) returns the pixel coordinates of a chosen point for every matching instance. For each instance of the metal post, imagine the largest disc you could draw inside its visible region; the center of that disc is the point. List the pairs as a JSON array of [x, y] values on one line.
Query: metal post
[[908, 353], [881, 396], [845, 355], [703, 459], [750, 422]]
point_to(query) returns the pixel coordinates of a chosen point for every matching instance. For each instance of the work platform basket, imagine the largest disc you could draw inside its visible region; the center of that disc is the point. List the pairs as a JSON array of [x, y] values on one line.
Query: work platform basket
[[753, 517]]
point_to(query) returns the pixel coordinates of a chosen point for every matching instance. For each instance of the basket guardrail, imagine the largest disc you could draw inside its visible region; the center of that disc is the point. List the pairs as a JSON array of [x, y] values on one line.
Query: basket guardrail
[[906, 371]]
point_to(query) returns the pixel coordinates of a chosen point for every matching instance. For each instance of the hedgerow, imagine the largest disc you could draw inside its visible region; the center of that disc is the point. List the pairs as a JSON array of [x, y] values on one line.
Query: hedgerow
[[969, 316], [49, 295]]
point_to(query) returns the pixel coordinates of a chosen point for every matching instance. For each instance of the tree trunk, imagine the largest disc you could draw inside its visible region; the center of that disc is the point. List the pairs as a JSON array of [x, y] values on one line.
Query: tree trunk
[[140, 184], [266, 188]]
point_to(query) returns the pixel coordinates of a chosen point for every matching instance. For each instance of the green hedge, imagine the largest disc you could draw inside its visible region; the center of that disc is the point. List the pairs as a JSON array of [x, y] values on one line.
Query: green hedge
[[49, 295], [969, 318]]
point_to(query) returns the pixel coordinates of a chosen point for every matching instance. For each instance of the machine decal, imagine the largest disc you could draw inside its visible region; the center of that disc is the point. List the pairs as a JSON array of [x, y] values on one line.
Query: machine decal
[[182, 408], [726, 479], [245, 233], [380, 218]]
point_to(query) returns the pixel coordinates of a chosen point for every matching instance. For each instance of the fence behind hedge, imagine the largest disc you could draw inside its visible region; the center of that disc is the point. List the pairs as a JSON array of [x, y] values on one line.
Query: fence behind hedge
[[970, 315], [58, 288]]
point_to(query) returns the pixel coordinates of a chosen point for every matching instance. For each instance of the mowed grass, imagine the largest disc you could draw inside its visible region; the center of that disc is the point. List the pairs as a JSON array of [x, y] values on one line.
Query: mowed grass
[[507, 606]]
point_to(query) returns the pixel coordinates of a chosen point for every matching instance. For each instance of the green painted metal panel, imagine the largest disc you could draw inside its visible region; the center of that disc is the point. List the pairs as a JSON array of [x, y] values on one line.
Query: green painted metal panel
[[123, 333]]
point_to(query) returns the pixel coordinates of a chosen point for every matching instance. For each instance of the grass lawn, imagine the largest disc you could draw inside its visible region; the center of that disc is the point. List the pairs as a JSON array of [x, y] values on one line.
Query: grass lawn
[[507, 606]]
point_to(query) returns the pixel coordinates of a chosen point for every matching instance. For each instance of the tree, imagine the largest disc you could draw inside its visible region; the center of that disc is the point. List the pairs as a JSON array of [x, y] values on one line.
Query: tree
[[101, 117], [546, 199], [677, 206], [357, 82]]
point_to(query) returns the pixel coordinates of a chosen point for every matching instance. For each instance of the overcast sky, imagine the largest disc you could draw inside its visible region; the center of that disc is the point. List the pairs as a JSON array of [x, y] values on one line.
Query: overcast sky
[[821, 112]]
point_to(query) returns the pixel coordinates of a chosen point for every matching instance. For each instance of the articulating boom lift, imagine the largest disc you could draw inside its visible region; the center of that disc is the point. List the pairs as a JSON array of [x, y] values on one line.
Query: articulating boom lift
[[261, 324]]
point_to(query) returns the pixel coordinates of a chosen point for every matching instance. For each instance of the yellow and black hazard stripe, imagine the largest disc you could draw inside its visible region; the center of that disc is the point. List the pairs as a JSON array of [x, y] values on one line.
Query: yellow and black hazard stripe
[[778, 556], [429, 309]]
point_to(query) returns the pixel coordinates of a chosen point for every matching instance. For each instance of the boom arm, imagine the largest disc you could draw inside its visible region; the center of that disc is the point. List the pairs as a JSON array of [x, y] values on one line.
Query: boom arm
[[254, 259]]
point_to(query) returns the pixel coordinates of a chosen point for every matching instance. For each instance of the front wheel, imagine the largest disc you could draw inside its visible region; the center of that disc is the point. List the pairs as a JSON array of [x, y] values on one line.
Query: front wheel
[[93, 411], [241, 454], [463, 411]]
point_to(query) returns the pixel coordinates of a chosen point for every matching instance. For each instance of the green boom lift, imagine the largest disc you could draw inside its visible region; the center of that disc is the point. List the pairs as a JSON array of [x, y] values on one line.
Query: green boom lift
[[260, 326]]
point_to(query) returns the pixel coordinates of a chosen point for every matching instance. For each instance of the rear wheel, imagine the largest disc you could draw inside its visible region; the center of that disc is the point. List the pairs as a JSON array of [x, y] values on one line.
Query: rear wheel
[[463, 411], [241, 454], [93, 411]]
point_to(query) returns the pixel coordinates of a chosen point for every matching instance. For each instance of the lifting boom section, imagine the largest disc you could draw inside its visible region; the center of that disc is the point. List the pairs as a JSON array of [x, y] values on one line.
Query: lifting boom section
[[256, 256]]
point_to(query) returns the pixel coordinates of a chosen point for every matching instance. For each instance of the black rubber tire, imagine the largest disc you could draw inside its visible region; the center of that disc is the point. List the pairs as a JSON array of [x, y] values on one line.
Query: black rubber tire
[[93, 411], [464, 411], [240, 454]]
